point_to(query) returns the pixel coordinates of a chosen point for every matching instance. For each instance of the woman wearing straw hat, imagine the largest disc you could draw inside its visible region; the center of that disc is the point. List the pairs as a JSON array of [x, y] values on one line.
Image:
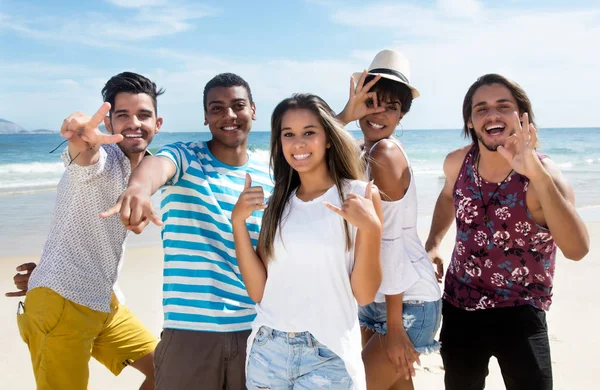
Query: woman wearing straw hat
[[405, 316]]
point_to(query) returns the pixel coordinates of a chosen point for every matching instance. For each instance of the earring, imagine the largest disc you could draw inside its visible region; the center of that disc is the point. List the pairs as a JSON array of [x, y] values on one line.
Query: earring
[[327, 146], [357, 124], [401, 129]]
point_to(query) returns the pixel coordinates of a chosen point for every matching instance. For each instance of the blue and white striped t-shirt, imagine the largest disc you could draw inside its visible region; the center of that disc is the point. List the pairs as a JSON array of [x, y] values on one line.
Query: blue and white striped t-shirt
[[203, 288]]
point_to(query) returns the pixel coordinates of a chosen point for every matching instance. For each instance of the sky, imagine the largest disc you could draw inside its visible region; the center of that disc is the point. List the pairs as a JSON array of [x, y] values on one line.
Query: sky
[[57, 55]]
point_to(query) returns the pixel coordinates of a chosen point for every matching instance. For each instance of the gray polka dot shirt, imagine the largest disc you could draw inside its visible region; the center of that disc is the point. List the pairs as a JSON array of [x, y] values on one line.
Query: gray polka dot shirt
[[83, 254]]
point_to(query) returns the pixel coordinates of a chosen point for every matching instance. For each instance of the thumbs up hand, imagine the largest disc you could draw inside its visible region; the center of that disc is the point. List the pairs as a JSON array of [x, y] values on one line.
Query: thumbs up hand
[[250, 200], [359, 211]]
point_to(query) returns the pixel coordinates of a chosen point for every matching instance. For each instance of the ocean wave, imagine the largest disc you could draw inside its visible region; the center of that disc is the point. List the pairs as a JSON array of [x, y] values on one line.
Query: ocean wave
[[28, 184], [565, 165], [579, 164], [437, 172], [33, 167], [262, 155], [560, 150], [35, 176]]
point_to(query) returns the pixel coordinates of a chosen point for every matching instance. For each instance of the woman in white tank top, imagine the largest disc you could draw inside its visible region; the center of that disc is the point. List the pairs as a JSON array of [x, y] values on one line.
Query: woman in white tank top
[[403, 320], [317, 255]]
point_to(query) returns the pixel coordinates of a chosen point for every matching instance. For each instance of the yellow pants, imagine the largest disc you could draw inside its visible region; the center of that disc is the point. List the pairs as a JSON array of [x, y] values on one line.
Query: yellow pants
[[62, 336]]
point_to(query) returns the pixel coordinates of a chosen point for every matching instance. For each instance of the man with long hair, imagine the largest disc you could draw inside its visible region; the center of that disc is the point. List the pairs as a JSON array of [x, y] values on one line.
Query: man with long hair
[[513, 208]]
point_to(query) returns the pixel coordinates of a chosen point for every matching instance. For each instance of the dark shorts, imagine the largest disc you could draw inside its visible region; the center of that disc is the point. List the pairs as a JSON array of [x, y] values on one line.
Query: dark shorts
[[516, 336], [201, 360]]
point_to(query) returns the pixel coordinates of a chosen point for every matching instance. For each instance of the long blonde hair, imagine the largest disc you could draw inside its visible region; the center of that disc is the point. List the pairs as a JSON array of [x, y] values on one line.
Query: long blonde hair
[[342, 162]]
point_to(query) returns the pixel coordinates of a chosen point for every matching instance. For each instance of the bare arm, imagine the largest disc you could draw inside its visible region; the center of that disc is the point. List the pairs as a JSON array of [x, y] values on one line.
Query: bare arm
[[152, 173], [557, 204], [554, 194], [252, 267], [400, 349], [389, 171], [367, 275], [443, 213], [135, 205]]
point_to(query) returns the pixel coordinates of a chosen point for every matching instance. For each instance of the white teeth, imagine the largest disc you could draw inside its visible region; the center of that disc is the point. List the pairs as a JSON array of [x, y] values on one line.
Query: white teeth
[[375, 125], [302, 156], [229, 128], [495, 127], [133, 136]]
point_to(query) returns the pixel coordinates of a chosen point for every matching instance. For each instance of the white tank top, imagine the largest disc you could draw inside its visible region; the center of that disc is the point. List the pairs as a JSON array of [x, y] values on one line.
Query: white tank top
[[308, 284], [405, 263]]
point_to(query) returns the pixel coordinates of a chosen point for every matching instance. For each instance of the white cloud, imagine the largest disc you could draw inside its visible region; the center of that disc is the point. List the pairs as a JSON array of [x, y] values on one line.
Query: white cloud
[[103, 30], [550, 53], [181, 105], [468, 9]]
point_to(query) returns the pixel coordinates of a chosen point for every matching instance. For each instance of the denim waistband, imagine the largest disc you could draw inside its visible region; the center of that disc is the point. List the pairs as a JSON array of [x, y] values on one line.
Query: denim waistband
[[305, 338]]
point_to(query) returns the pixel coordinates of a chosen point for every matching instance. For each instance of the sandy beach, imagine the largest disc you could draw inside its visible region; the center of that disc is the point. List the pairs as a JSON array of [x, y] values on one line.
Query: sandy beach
[[572, 321]]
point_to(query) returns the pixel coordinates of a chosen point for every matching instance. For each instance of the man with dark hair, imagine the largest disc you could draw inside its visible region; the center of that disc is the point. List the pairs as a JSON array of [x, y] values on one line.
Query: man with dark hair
[[73, 308], [513, 208], [206, 307]]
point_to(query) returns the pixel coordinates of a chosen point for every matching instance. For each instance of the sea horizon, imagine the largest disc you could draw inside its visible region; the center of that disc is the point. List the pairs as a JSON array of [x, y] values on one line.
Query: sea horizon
[[205, 130], [29, 174]]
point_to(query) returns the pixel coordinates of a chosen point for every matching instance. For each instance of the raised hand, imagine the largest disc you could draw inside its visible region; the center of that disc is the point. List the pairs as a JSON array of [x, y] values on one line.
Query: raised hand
[[21, 280], [135, 209], [519, 148], [359, 211], [361, 102], [250, 200], [82, 130]]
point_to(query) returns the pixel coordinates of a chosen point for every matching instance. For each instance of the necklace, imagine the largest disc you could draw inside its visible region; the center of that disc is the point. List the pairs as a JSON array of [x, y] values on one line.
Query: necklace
[[485, 205]]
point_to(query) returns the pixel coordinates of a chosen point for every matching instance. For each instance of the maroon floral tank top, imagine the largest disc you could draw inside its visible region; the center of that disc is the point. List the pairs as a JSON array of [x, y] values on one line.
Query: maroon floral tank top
[[502, 258]]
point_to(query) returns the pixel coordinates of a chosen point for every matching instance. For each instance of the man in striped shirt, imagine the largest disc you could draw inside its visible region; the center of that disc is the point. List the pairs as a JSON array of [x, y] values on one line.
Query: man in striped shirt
[[206, 308]]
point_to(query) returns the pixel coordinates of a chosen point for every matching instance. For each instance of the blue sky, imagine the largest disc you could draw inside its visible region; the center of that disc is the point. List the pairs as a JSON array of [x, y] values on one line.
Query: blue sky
[[56, 55]]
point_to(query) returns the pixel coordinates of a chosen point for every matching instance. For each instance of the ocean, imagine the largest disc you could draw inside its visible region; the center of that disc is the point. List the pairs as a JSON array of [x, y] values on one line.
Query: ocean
[[29, 173]]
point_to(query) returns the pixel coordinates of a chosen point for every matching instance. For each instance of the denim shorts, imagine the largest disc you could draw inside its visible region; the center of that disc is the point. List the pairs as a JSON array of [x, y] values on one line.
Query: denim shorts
[[421, 320], [294, 360]]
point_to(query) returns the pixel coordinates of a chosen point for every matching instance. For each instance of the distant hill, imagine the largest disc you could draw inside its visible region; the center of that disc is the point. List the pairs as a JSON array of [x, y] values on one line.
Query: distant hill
[[8, 127], [42, 131]]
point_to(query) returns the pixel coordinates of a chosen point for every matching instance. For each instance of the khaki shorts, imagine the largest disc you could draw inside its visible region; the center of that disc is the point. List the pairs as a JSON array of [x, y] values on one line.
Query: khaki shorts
[[62, 336]]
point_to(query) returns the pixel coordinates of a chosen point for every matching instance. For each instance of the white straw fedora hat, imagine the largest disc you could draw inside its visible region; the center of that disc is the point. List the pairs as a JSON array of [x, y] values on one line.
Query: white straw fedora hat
[[391, 65]]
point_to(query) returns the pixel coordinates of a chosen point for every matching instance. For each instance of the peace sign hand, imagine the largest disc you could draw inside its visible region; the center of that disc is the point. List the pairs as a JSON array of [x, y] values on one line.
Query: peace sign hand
[[82, 130], [519, 148], [361, 102], [359, 211], [250, 200]]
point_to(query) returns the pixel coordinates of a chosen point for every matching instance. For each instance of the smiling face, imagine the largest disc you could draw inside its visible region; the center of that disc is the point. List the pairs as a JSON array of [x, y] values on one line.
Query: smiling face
[[229, 115], [303, 141], [397, 100], [134, 117], [493, 110], [492, 113], [382, 125]]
